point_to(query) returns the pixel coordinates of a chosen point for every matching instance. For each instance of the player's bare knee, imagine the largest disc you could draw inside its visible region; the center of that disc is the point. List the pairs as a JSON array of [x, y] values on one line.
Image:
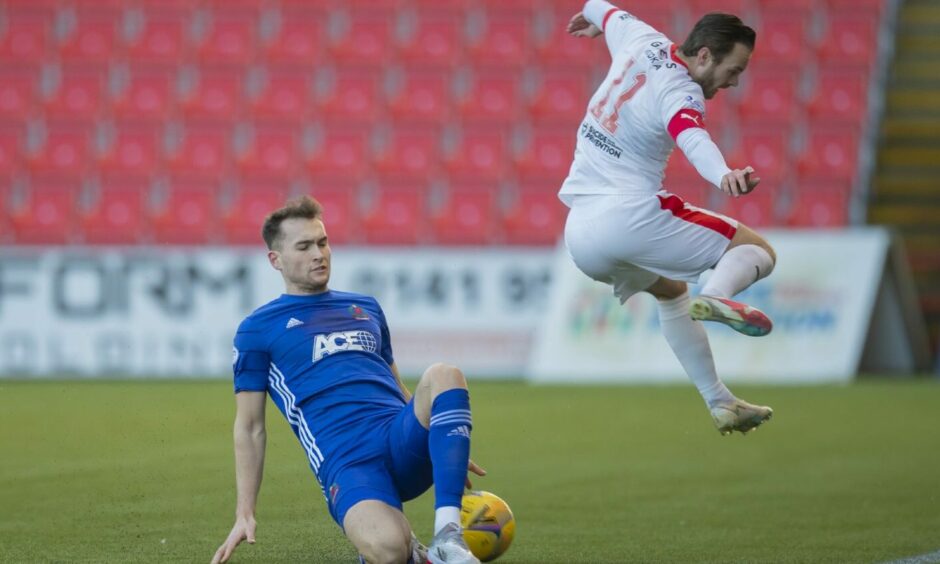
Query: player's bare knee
[[665, 289], [385, 549], [442, 377]]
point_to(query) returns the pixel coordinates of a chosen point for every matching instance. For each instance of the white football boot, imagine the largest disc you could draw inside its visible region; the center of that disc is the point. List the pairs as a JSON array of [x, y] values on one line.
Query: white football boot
[[739, 416], [742, 318], [448, 547]]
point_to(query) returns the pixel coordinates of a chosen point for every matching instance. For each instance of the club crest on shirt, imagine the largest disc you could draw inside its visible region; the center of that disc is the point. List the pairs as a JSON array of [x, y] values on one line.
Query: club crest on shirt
[[358, 313], [334, 491]]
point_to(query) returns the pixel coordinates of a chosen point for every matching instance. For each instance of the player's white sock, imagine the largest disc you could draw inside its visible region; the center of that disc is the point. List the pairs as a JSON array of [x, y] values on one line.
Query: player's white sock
[[689, 342], [445, 515], [737, 269]]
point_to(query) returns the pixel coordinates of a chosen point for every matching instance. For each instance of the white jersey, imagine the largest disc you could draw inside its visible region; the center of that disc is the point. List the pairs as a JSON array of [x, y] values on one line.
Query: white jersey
[[645, 101]]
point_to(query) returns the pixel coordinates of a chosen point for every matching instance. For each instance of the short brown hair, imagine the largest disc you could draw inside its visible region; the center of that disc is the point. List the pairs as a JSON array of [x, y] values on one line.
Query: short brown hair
[[303, 207], [719, 32]]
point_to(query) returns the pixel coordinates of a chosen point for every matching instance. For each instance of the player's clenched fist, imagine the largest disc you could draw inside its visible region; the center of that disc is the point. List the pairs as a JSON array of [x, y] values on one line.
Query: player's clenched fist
[[739, 182], [579, 26]]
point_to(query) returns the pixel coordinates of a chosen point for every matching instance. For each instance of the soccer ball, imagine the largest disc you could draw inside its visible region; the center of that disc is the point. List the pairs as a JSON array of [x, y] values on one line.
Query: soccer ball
[[488, 524]]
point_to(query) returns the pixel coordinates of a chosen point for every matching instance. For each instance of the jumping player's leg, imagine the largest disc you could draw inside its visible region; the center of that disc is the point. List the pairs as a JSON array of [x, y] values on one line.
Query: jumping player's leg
[[688, 340], [379, 532], [748, 259]]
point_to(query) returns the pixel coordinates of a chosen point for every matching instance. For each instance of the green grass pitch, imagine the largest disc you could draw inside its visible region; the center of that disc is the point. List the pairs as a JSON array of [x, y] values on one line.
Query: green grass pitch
[[142, 471]]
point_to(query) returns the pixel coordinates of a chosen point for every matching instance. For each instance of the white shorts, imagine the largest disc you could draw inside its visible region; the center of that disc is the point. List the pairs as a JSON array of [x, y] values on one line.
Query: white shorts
[[629, 241]]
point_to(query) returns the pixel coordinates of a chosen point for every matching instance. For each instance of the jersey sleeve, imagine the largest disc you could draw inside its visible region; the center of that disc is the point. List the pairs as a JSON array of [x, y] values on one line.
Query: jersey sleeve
[[251, 360], [618, 25], [386, 352], [681, 106]]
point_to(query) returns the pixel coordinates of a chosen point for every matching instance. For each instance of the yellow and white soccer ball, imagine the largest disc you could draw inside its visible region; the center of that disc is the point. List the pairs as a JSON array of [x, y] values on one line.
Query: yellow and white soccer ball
[[488, 524]]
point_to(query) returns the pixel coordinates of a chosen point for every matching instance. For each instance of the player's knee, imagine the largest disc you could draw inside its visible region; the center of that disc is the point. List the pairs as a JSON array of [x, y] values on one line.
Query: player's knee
[[441, 377], [665, 289], [385, 549]]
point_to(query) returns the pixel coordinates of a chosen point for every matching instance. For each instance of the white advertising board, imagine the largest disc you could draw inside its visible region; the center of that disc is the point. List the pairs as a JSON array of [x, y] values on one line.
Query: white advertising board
[[820, 297], [88, 312]]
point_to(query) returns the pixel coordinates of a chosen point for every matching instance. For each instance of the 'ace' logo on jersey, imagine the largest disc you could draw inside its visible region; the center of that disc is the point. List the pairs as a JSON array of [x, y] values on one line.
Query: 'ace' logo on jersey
[[324, 345]]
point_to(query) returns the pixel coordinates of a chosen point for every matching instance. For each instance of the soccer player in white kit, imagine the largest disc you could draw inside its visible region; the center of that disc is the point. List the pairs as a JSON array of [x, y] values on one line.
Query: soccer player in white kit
[[625, 230]]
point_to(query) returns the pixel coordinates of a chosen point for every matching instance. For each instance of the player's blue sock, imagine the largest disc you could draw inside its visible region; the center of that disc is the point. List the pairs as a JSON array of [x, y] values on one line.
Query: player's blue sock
[[449, 444]]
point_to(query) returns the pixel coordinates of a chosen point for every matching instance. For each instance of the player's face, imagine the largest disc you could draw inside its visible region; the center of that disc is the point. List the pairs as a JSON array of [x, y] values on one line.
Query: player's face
[[303, 256], [716, 76]]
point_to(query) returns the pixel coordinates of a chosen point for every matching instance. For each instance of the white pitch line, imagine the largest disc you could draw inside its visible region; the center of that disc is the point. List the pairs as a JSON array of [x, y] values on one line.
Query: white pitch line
[[922, 559]]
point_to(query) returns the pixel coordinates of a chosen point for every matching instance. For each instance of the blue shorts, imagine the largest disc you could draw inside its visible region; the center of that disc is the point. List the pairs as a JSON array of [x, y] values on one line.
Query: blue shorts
[[402, 474]]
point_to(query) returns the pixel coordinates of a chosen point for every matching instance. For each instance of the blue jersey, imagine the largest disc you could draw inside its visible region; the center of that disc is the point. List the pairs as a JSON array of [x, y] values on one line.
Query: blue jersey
[[325, 361]]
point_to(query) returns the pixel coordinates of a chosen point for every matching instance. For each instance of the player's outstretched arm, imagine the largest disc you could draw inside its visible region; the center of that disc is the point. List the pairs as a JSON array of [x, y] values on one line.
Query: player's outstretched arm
[[250, 441], [739, 182], [579, 26]]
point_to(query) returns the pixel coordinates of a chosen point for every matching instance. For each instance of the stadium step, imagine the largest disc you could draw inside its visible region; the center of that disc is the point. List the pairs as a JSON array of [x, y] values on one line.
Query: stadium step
[[905, 193]]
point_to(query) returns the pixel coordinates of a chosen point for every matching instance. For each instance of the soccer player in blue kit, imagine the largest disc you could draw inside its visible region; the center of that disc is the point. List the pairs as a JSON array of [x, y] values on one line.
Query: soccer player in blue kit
[[325, 358]]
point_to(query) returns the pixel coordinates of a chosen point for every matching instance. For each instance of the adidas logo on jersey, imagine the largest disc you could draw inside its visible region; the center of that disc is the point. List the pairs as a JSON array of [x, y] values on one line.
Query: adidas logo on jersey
[[294, 322]]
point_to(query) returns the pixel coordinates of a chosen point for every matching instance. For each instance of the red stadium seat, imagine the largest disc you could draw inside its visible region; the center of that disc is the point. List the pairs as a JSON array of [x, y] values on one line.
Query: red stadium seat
[[78, 97], [17, 94], [422, 97], [273, 152], [693, 190], [230, 39], [504, 41], [436, 42], [133, 151], [468, 215], [147, 96], [366, 43], [480, 154], [354, 97], [830, 153], [243, 219], [757, 209], [297, 39], [409, 154], [850, 39], [559, 49], [561, 98], [680, 170], [765, 149], [340, 212], [839, 98], [537, 217], [10, 152], [868, 8], [48, 214], [397, 215], [216, 96], [783, 38], [161, 39], [800, 8], [202, 152], [491, 97], [548, 154], [284, 97], [340, 153], [820, 203], [65, 151], [25, 38], [770, 98], [698, 8], [93, 38], [188, 214], [117, 216]]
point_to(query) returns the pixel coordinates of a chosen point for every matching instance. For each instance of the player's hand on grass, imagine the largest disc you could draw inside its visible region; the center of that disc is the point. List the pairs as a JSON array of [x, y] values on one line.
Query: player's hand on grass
[[739, 182], [244, 529], [579, 26], [472, 466]]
